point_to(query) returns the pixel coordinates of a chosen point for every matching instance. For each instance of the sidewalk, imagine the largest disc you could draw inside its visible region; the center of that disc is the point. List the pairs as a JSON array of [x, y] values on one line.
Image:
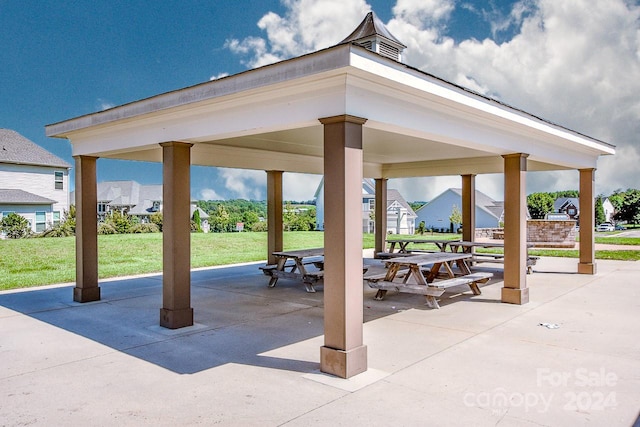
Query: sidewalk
[[252, 357]]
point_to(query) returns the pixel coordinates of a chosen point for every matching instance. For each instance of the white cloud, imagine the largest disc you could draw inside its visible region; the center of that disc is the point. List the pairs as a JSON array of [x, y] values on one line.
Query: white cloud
[[308, 25], [218, 76], [209, 194], [243, 183], [104, 105], [576, 63], [298, 186]]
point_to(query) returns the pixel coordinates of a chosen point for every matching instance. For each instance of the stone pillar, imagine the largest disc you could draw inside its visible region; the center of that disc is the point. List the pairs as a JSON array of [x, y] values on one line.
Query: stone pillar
[[380, 213], [469, 208], [515, 288], [176, 311], [587, 264], [87, 288], [274, 214], [343, 353]]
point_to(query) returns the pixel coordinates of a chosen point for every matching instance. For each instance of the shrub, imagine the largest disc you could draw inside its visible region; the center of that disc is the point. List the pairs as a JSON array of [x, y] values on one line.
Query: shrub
[[60, 230], [122, 223], [156, 219], [259, 226], [66, 228], [15, 226], [106, 228], [144, 228]]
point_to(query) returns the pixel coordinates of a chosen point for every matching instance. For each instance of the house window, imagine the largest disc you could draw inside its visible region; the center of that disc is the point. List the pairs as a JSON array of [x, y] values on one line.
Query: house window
[[372, 204], [41, 221], [102, 208], [56, 218], [59, 180]]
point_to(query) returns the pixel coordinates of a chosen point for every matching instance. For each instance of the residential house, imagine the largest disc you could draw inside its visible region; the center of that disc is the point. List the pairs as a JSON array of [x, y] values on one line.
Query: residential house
[[567, 205], [436, 213], [135, 199], [34, 183], [400, 216]]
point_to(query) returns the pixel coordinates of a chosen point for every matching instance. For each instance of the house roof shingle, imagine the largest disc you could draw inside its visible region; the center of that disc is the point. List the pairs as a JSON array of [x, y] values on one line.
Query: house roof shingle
[[20, 197], [15, 148]]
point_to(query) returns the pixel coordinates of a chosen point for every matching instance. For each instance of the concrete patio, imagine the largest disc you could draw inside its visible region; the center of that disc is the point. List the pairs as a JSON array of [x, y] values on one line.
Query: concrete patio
[[252, 356]]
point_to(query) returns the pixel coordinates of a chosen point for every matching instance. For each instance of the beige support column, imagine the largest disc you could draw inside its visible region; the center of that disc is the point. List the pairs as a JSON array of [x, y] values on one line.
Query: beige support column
[[343, 353], [274, 214], [86, 191], [587, 264], [380, 213], [176, 311], [515, 290], [469, 208]]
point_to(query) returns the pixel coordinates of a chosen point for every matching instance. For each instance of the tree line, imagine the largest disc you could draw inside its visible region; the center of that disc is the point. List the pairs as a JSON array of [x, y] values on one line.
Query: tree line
[[626, 204]]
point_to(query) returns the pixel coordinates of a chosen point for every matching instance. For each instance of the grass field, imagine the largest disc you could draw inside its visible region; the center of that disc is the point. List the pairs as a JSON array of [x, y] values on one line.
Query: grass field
[[36, 262]]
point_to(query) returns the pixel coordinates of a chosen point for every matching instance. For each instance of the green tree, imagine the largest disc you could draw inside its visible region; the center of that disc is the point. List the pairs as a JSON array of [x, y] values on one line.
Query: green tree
[[617, 198], [630, 209], [456, 215], [421, 228], [197, 221], [599, 211], [15, 226], [540, 204], [219, 219]]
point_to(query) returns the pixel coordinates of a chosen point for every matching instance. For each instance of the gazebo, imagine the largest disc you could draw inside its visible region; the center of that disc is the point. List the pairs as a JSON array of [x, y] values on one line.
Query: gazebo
[[349, 111]]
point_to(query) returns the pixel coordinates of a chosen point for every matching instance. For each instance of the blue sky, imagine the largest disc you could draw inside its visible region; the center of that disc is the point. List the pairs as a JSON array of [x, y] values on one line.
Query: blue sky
[[68, 58]]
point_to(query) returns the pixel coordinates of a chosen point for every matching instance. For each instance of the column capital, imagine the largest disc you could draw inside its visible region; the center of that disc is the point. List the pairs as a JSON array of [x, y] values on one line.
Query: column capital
[[176, 144], [82, 156], [508, 156], [587, 170], [521, 158], [343, 118]]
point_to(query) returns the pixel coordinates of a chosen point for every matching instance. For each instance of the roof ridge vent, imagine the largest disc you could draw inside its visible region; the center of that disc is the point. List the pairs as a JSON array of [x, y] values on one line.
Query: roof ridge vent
[[373, 35]]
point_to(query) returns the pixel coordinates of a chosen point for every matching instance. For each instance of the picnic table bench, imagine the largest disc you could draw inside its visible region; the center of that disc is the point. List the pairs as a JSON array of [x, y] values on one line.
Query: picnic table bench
[[401, 270], [480, 257]]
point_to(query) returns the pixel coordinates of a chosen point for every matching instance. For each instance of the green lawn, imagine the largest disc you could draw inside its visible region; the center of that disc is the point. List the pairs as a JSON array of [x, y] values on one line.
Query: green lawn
[[35, 262]]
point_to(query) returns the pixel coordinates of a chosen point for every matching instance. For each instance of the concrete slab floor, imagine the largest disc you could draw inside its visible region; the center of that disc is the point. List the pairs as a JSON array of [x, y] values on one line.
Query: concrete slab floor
[[252, 357]]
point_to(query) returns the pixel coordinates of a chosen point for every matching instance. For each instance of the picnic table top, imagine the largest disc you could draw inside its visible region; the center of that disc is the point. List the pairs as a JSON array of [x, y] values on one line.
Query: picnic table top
[[431, 258], [301, 253], [414, 240]]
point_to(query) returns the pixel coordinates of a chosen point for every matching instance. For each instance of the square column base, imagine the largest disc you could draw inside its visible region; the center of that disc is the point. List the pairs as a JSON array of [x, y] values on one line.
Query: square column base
[[515, 296], [343, 364], [86, 294], [586, 268], [174, 319]]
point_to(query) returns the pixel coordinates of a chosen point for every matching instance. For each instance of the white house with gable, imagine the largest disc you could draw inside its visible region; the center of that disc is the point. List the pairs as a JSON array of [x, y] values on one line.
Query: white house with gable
[[34, 183], [436, 213], [400, 216]]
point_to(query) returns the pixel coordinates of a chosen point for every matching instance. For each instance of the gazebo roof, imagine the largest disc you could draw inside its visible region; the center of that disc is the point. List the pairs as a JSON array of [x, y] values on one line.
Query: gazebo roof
[[267, 119], [371, 26]]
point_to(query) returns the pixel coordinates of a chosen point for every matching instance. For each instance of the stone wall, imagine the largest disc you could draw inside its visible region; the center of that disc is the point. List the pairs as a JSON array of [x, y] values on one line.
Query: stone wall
[[542, 233]]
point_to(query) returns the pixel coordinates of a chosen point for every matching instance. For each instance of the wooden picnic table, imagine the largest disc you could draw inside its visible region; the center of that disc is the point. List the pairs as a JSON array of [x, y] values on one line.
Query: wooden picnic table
[[404, 243], [293, 265], [405, 269]]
